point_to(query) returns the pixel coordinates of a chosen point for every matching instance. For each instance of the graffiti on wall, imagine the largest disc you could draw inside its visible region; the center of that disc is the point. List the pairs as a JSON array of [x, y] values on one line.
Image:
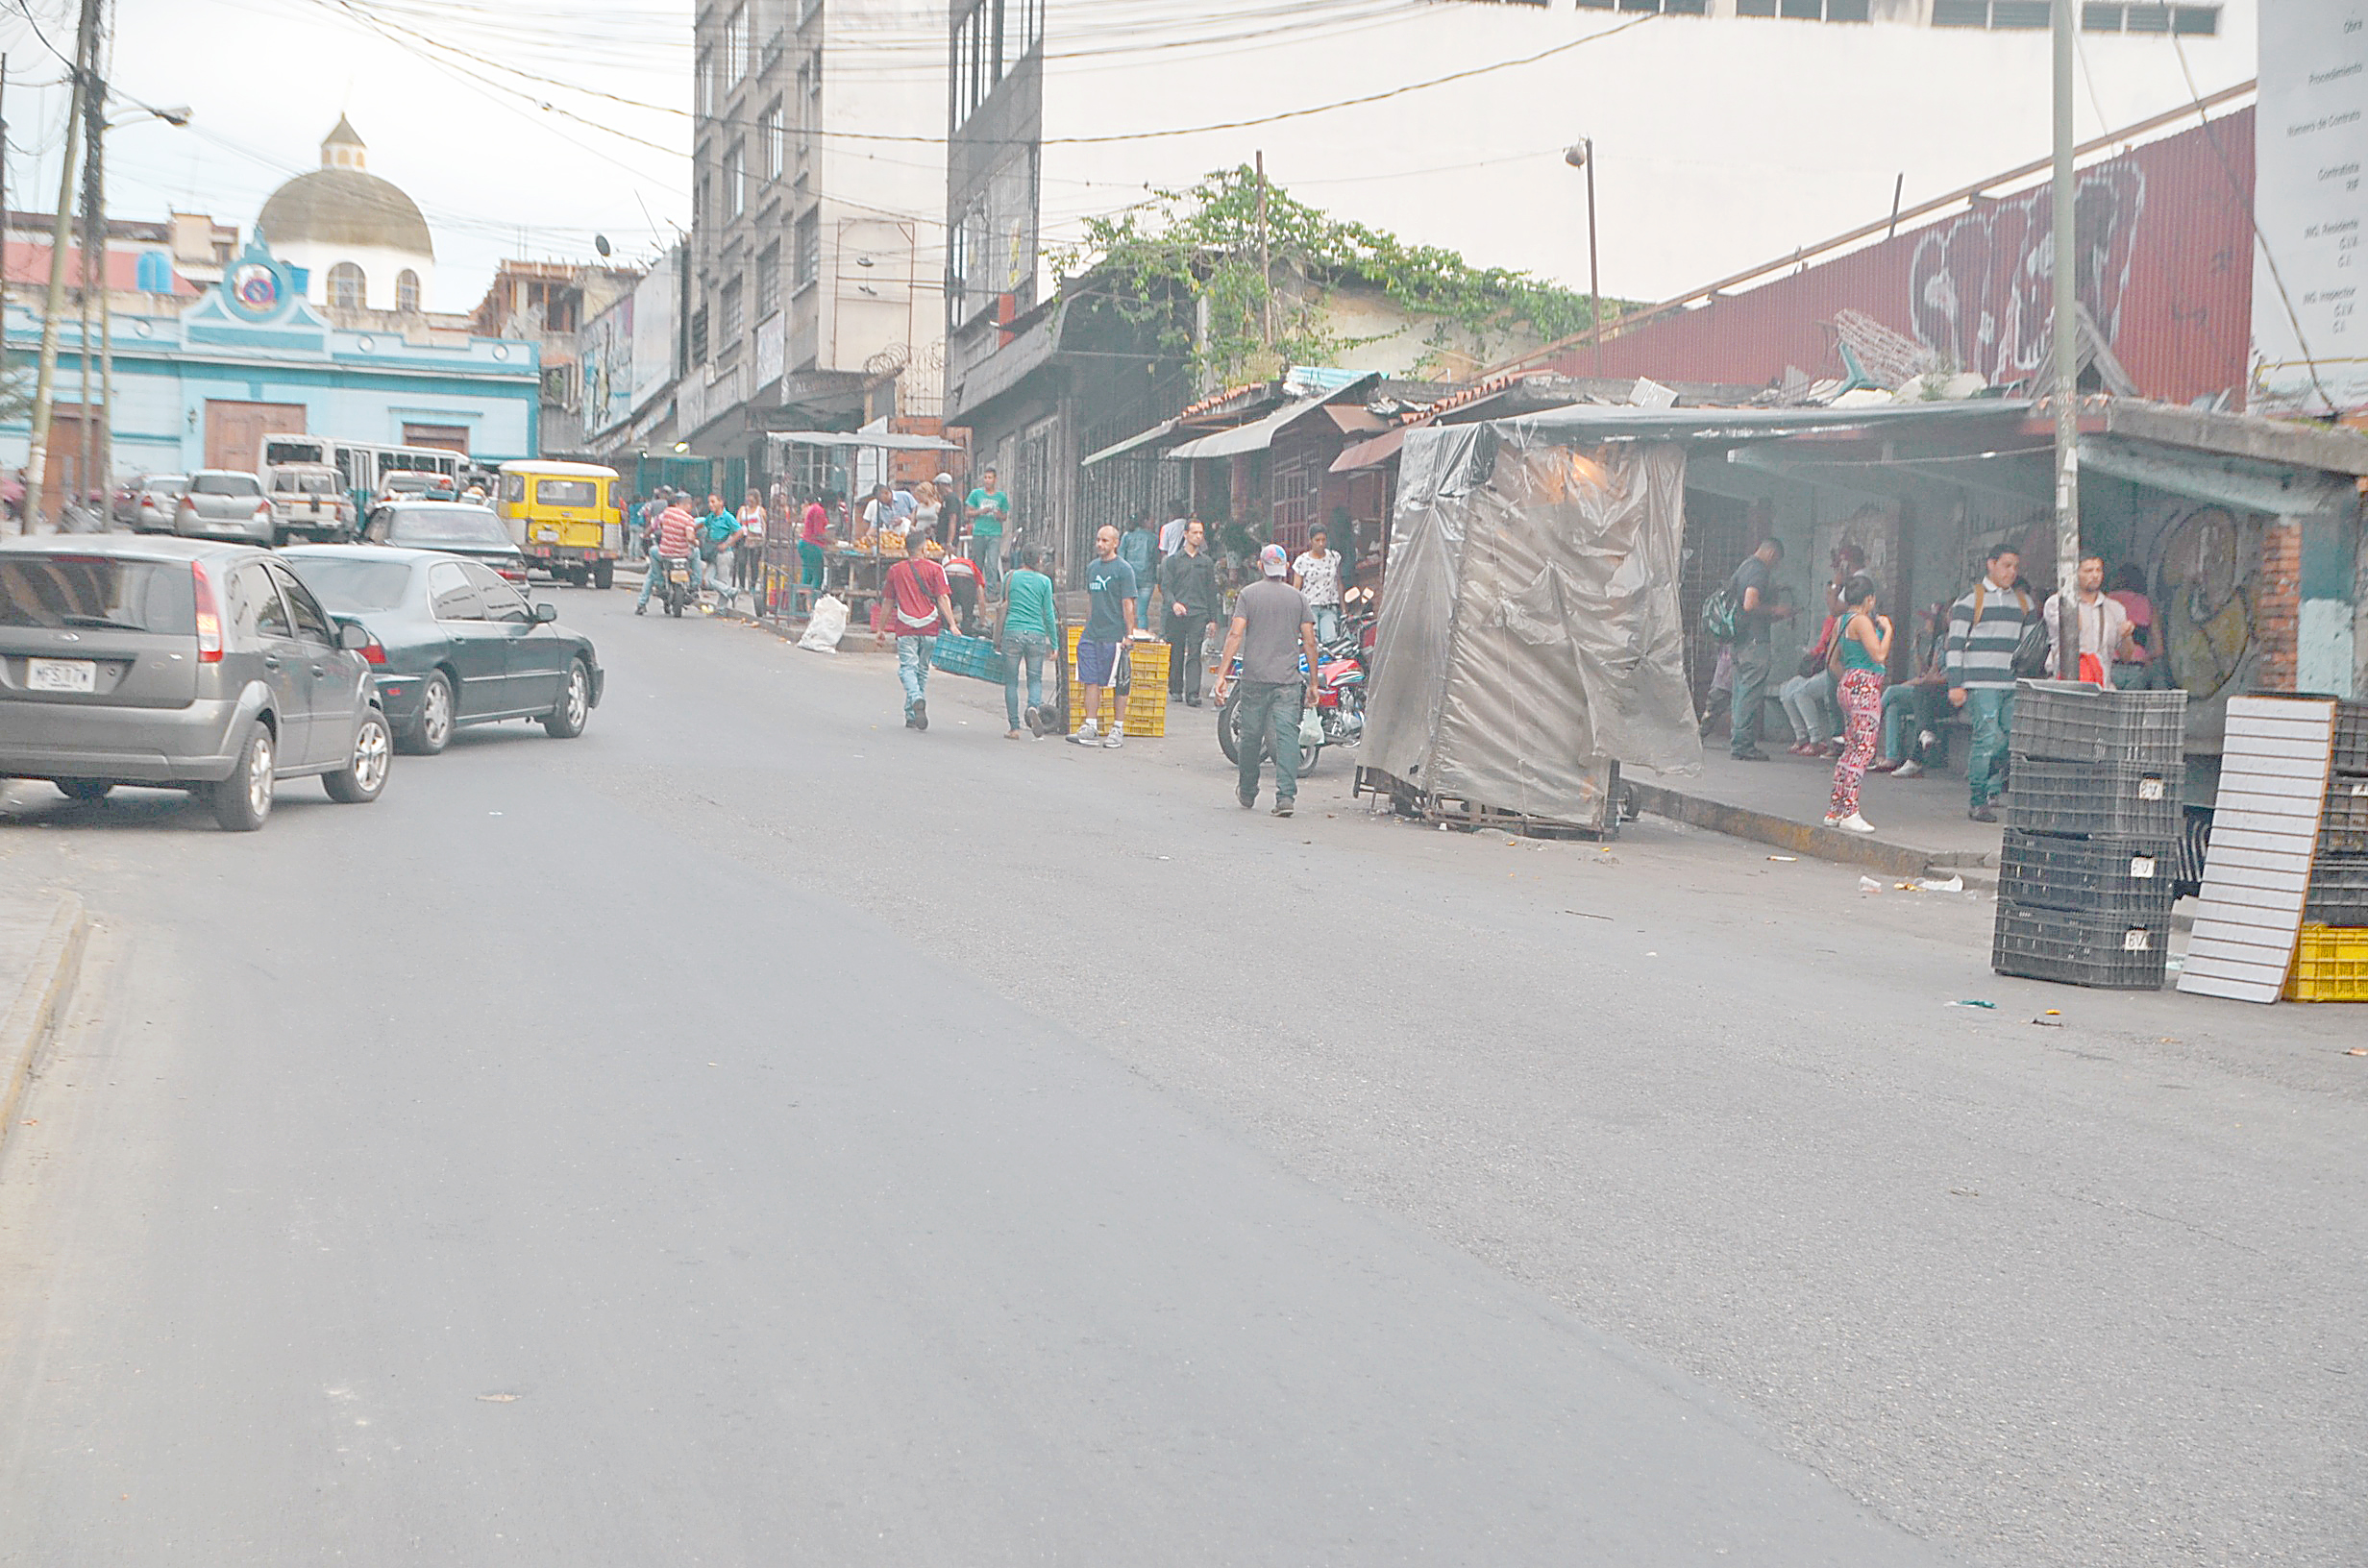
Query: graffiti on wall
[[1979, 288], [2204, 581]]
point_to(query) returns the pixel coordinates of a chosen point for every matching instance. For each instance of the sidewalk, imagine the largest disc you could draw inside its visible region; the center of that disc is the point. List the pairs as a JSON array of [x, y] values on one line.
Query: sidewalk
[[41, 937], [1920, 824]]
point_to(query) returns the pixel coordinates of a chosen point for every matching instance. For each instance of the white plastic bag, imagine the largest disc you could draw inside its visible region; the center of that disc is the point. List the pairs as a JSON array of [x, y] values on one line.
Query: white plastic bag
[[1311, 732], [827, 626]]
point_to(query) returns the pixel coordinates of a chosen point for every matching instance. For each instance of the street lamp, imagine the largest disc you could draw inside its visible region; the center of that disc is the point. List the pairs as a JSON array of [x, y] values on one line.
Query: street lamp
[[1581, 155], [179, 116]]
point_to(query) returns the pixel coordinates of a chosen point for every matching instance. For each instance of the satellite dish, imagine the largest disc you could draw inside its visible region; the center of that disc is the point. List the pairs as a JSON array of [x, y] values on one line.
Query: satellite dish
[[600, 243]]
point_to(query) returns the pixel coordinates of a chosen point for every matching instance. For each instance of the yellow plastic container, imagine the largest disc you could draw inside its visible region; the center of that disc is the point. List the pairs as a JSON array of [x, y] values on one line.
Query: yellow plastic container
[[1146, 701], [2331, 965]]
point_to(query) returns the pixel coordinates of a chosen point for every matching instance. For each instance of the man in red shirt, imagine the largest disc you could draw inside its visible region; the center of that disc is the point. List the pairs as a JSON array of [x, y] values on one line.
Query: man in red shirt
[[917, 609], [677, 529]]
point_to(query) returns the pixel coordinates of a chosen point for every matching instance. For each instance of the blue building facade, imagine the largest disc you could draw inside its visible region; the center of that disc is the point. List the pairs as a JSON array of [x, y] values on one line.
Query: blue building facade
[[251, 356]]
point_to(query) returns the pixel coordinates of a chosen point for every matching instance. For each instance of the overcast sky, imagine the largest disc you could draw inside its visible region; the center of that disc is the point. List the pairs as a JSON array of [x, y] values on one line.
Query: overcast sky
[[1720, 143]]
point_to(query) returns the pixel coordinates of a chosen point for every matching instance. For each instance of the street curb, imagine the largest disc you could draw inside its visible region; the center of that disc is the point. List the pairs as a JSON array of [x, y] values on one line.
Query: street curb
[[1802, 838], [40, 999]]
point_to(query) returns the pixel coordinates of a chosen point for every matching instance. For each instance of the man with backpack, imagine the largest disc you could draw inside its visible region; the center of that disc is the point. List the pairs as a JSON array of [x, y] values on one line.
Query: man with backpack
[[1987, 630], [1743, 609]]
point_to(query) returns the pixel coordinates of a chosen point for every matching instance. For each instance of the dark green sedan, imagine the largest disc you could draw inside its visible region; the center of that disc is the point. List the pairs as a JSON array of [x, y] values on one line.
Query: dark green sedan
[[453, 643]]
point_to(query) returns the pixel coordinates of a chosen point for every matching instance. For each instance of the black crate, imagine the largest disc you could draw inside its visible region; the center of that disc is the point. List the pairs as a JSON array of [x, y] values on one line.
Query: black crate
[[2343, 825], [2352, 738], [2096, 799], [2118, 876], [2112, 952], [2070, 721], [2338, 890]]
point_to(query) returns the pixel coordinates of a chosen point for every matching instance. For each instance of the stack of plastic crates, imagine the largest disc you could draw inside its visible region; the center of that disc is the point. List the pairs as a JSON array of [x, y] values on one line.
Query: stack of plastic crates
[[2331, 957], [2093, 820], [1146, 697]]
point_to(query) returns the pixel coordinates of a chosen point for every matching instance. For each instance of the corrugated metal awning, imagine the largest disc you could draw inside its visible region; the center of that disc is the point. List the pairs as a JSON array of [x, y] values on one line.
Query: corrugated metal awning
[[1372, 454], [1119, 448], [1256, 437], [883, 440]]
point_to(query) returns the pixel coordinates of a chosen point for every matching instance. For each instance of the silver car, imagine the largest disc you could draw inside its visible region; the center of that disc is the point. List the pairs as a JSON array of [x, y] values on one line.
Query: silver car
[[147, 504], [223, 504], [173, 662]]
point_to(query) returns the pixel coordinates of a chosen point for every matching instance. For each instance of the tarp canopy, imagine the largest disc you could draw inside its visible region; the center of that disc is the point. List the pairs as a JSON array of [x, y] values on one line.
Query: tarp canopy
[[879, 440], [1531, 637]]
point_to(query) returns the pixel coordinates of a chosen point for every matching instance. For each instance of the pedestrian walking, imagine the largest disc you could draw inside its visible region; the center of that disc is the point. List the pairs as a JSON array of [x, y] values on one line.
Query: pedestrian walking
[[1316, 574], [1109, 626], [2105, 629], [990, 514], [1030, 633], [1273, 631], [1188, 585], [1986, 627], [1753, 588], [749, 554], [1862, 647], [919, 611]]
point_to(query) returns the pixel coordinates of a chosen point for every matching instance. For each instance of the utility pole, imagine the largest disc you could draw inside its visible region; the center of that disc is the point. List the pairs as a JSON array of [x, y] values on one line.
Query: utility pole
[[93, 249], [1581, 155], [2063, 249], [1266, 266], [36, 454], [96, 187]]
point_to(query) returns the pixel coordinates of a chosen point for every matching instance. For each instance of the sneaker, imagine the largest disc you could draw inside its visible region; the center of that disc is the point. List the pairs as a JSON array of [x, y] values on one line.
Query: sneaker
[[1908, 769], [1886, 765], [1926, 738], [1192, 701], [1114, 740], [641, 609], [1754, 754], [1832, 821], [1088, 733], [1855, 823], [1249, 802], [1282, 807], [920, 713], [908, 718], [1982, 814]]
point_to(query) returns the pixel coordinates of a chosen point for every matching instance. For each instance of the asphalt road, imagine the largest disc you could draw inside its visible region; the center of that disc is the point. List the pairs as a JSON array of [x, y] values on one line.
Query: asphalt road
[[752, 1133]]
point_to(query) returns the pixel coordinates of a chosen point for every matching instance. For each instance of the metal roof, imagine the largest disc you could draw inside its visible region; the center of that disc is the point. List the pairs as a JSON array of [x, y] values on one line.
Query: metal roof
[[880, 440], [1615, 423]]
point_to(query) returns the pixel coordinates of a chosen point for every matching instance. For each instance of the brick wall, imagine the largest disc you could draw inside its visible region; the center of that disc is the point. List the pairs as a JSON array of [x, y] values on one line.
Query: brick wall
[[2278, 605]]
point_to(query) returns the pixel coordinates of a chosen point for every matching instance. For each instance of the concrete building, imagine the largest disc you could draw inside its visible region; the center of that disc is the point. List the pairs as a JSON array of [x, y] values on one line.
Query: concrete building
[[812, 298], [546, 304], [357, 242]]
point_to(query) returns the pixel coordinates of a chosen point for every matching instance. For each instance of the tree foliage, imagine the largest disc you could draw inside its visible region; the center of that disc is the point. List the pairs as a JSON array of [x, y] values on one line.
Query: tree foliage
[[1195, 254]]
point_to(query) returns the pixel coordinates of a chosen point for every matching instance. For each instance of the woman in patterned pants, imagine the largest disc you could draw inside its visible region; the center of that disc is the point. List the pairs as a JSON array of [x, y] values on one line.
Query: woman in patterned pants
[[1860, 651]]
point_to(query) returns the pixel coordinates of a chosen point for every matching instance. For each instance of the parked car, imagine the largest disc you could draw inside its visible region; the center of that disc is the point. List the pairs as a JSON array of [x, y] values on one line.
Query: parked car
[[145, 504], [453, 644], [416, 484], [449, 527], [308, 502], [223, 504], [187, 664]]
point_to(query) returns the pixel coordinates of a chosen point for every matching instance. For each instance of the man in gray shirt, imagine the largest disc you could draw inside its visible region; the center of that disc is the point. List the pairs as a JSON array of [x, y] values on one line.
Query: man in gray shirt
[[1275, 632]]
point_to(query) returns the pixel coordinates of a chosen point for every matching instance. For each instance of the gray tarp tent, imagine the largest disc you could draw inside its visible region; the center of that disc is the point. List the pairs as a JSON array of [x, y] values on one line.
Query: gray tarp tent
[[1530, 636]]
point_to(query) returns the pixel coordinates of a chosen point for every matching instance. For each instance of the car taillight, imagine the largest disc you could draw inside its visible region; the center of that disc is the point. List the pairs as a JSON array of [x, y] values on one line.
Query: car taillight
[[209, 618], [375, 652]]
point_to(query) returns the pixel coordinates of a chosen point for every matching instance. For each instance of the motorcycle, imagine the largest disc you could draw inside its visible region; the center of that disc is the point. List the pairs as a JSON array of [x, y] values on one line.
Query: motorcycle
[[1340, 704], [677, 584]]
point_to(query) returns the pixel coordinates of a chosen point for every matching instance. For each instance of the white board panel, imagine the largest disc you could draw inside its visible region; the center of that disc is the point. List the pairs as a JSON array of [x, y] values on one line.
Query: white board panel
[[2273, 785]]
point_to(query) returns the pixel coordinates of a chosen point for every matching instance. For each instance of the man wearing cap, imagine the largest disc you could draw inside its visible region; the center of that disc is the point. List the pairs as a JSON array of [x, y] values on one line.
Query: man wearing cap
[[1275, 632], [950, 512]]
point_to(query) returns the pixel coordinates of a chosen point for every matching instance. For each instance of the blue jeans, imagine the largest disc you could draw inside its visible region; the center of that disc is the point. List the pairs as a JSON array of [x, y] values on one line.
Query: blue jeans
[[1327, 624], [913, 668], [987, 554], [1021, 647], [1271, 711], [656, 573], [1813, 703], [1991, 709], [1749, 704]]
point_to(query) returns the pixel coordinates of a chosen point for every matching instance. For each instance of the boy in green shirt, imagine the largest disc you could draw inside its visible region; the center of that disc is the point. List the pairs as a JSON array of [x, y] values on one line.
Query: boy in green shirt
[[1030, 633], [990, 514]]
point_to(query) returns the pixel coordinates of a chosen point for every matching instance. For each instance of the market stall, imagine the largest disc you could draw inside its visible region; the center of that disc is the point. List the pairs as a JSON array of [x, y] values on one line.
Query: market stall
[[854, 567]]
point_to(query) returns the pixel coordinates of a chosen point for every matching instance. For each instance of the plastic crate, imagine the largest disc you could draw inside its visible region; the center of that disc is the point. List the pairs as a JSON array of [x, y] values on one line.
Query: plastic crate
[[2331, 965], [2111, 952], [2352, 738], [2040, 870], [2097, 799], [973, 656], [1145, 718], [2338, 890], [2343, 821], [2070, 721]]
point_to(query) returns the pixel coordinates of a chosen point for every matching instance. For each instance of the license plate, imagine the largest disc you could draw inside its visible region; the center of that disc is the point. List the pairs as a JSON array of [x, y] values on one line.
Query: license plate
[[546, 532], [60, 675]]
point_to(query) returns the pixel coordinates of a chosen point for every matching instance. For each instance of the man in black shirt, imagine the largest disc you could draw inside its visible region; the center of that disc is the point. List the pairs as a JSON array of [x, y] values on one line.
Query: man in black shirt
[[1755, 605]]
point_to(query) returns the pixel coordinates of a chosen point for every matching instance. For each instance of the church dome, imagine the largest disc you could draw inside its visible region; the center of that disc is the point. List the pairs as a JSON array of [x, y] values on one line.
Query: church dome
[[341, 204]]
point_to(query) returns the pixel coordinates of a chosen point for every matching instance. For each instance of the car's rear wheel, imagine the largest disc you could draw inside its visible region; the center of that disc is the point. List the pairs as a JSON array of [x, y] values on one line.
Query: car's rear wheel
[[567, 719], [84, 788], [431, 731], [242, 801], [604, 574], [364, 775]]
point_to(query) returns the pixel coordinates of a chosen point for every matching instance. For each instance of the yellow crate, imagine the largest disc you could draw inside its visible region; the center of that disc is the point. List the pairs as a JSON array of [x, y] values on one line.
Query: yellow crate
[[2331, 965], [1144, 716], [1146, 701]]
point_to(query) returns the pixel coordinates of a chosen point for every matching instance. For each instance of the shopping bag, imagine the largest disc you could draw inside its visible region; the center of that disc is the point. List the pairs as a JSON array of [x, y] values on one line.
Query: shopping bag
[[1311, 732], [827, 626]]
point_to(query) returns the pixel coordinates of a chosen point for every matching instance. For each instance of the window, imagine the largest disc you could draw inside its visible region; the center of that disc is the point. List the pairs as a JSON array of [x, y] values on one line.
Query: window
[[501, 601], [772, 142], [736, 187], [810, 238], [749, 45], [768, 281], [730, 316], [347, 289], [1805, 11], [256, 610], [567, 492], [310, 623], [449, 590], [699, 335], [407, 290], [810, 101], [735, 57], [155, 273], [2202, 21], [705, 86]]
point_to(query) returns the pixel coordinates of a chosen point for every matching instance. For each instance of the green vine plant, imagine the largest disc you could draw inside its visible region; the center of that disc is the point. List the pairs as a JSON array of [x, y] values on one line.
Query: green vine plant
[[1188, 262]]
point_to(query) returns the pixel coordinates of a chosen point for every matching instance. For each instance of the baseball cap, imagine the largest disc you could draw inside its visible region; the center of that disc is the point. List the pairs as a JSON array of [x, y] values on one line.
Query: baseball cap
[[1273, 562]]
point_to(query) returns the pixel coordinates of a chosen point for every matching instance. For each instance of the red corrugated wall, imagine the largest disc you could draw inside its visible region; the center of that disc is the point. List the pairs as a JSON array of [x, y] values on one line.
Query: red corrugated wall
[[2166, 266]]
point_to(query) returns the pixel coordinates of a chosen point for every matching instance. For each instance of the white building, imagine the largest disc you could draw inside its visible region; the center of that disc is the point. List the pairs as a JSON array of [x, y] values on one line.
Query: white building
[[814, 296], [359, 242]]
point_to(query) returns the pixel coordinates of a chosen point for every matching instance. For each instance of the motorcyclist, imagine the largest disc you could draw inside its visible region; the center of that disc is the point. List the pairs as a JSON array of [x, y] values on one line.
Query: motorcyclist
[[676, 541]]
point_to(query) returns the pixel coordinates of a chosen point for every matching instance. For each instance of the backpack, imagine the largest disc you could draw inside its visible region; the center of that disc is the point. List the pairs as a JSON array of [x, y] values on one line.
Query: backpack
[[1719, 612]]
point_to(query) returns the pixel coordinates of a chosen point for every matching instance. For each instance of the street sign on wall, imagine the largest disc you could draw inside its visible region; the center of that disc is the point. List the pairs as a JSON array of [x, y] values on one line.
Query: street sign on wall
[[2310, 339]]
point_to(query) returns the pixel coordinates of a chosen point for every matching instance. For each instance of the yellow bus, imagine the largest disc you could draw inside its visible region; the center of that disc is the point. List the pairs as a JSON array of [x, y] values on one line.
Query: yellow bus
[[565, 518]]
